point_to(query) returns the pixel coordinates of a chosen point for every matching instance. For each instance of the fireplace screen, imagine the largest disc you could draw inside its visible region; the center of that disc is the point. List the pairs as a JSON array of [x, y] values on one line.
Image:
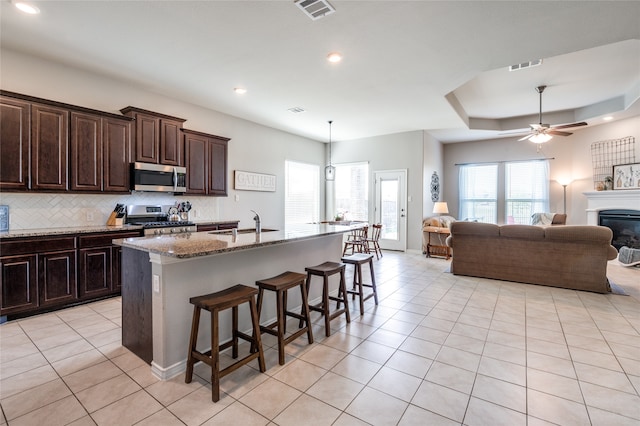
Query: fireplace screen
[[625, 225]]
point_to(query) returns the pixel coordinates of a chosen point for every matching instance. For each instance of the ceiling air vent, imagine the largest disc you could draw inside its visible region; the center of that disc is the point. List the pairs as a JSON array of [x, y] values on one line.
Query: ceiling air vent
[[315, 9], [296, 110], [524, 65]]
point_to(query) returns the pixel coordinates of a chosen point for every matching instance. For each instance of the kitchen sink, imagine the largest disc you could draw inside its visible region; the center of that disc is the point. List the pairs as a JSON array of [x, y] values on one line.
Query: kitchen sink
[[241, 231]]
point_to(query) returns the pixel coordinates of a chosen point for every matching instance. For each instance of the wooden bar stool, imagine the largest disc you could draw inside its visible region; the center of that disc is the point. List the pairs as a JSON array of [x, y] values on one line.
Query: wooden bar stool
[[214, 303], [325, 270], [280, 284], [357, 260]]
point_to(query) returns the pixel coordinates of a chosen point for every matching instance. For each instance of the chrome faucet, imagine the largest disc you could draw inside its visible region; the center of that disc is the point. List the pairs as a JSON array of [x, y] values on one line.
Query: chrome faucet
[[257, 219]]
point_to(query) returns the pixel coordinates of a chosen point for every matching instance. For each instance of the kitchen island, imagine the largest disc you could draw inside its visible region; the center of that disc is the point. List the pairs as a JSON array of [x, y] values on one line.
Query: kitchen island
[[161, 273]]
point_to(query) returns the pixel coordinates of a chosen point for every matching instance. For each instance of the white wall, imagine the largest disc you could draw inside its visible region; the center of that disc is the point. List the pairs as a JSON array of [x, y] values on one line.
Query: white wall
[[432, 162], [252, 148], [391, 152], [572, 160]]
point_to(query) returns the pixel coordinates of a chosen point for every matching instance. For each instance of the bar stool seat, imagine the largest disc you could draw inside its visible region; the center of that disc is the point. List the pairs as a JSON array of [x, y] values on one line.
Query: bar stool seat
[[325, 270], [359, 259], [231, 297], [280, 284]]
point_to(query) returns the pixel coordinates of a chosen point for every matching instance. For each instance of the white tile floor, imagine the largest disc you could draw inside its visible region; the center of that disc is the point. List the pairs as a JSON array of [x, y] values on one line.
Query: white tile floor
[[439, 349]]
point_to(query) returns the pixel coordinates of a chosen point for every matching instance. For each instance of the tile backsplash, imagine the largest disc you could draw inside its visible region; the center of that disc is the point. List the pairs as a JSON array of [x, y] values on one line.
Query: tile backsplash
[[38, 210]]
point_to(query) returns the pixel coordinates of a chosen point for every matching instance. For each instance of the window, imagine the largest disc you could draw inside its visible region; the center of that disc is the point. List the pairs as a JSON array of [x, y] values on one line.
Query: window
[[302, 192], [478, 185], [352, 191], [526, 190]]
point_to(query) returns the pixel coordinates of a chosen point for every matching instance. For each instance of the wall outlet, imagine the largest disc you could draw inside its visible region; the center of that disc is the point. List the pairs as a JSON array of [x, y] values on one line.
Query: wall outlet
[[90, 217], [156, 284], [237, 197]]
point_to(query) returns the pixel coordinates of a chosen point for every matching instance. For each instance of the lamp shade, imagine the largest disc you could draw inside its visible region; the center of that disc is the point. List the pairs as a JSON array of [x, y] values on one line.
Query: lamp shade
[[440, 207]]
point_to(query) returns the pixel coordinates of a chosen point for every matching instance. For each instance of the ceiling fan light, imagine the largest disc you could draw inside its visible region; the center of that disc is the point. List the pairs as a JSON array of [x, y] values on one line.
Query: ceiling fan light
[[540, 138]]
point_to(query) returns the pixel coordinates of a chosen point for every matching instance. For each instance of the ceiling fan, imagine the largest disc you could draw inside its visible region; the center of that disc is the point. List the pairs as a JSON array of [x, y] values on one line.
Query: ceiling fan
[[541, 133]]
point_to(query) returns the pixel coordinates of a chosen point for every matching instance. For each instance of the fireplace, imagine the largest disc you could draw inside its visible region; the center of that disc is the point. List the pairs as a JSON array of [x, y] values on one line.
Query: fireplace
[[625, 225]]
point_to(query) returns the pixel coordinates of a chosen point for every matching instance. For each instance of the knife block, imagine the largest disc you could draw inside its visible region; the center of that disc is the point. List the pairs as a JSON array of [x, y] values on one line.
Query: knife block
[[114, 221]]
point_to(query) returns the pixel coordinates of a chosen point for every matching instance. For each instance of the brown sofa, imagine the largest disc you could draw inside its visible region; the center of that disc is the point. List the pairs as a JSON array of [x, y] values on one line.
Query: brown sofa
[[571, 256]]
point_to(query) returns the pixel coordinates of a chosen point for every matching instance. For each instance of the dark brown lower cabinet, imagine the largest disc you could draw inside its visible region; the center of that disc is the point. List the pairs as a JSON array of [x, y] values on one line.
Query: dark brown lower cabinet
[[39, 274], [19, 283], [94, 272], [57, 278]]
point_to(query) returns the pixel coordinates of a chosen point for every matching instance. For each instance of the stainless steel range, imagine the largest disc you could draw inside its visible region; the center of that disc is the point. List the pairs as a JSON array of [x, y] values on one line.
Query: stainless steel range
[[155, 220]]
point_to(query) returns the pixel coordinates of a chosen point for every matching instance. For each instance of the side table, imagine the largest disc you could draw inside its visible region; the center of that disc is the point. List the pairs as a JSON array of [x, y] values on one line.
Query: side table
[[436, 241]]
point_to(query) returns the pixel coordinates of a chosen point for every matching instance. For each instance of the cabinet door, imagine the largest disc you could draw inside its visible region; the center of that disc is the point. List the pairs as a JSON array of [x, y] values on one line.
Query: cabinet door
[[147, 138], [116, 138], [217, 167], [170, 143], [195, 147], [14, 149], [49, 147], [94, 272], [18, 280], [57, 277], [86, 152]]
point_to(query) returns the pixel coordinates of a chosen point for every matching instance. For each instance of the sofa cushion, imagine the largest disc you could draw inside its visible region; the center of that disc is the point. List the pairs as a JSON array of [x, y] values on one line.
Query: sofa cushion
[[596, 234], [475, 228], [522, 231]]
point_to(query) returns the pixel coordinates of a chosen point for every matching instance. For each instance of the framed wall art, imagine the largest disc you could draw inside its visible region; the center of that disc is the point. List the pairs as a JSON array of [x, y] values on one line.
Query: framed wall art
[[626, 176]]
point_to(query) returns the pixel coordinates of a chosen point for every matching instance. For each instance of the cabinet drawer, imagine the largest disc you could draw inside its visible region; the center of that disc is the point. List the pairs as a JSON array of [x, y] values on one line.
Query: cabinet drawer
[[20, 246], [104, 240]]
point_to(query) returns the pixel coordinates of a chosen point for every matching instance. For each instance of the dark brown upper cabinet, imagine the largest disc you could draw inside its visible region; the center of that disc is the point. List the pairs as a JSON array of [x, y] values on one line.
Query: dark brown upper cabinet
[[206, 162], [86, 152], [157, 137], [116, 135], [15, 134], [49, 147], [100, 153]]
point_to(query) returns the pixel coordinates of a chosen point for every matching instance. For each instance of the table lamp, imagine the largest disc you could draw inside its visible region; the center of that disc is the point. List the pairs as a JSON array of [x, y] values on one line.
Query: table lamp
[[440, 207]]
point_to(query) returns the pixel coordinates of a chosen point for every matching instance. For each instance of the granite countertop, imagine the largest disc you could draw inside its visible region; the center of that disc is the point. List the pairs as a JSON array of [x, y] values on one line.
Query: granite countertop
[[39, 232], [197, 244], [42, 232]]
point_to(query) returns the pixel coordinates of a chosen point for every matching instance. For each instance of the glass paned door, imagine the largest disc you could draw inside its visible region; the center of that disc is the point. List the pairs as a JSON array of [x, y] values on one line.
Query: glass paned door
[[391, 208]]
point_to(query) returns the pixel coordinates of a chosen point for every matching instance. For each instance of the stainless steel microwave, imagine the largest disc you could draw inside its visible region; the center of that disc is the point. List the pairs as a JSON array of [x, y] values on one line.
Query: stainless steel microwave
[[158, 178]]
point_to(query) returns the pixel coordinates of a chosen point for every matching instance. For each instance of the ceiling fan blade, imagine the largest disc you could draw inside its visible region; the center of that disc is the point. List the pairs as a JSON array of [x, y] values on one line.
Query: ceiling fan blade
[[515, 132], [566, 126], [557, 133], [525, 138]]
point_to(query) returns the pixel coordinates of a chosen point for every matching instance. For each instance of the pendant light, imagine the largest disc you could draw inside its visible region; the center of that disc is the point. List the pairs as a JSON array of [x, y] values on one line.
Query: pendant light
[[330, 171]]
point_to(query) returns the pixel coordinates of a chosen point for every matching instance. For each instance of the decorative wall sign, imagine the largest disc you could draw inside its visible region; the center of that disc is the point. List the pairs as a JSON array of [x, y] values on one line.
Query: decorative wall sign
[[435, 187], [249, 181], [626, 176]]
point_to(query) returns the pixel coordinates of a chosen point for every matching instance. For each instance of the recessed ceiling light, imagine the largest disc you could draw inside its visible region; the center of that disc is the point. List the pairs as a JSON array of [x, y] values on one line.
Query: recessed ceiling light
[[607, 118], [334, 57], [240, 90], [27, 8]]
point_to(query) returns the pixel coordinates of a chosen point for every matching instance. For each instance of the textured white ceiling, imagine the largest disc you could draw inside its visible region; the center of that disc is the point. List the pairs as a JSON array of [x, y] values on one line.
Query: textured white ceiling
[[408, 65]]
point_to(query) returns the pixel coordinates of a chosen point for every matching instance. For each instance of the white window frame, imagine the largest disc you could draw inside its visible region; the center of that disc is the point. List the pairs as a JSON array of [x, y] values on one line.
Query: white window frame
[[530, 194], [302, 192], [351, 201], [472, 200]]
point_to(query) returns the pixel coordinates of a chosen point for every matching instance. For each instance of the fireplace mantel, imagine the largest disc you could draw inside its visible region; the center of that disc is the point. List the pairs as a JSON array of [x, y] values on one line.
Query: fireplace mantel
[[606, 200]]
